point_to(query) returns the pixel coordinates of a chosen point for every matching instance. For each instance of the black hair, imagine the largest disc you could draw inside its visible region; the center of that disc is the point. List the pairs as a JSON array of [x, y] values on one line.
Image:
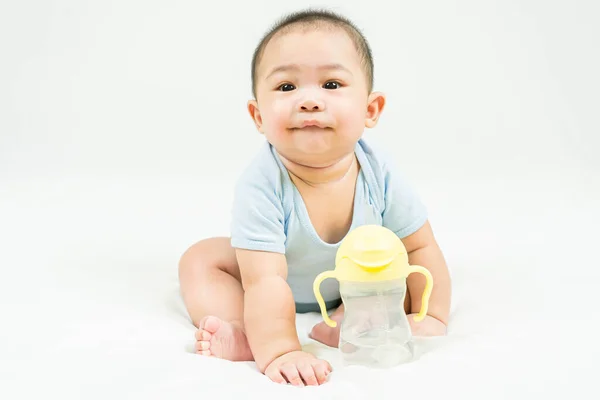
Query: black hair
[[315, 19]]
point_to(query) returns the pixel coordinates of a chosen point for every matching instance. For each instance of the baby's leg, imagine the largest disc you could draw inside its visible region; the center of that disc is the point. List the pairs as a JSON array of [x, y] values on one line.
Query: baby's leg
[[212, 292], [323, 333]]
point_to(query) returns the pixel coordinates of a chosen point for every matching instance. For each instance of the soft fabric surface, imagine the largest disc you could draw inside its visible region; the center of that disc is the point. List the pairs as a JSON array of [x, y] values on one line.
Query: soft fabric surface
[[91, 308]]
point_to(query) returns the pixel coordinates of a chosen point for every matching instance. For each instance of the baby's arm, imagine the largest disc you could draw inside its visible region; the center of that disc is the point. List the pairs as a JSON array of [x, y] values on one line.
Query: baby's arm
[[259, 237], [423, 250], [403, 212], [270, 321], [269, 314]]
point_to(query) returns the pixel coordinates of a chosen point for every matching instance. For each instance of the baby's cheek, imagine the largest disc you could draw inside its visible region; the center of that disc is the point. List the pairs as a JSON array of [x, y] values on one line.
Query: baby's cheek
[[351, 112], [352, 121], [279, 122], [272, 124], [276, 133], [279, 130]]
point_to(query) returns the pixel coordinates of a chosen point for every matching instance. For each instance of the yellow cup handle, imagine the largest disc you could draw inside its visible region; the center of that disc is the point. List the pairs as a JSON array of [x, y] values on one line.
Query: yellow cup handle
[[317, 283], [426, 293]]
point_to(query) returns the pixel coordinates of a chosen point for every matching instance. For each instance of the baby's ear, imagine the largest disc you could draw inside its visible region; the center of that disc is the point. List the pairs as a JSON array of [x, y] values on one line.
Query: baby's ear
[[375, 105], [255, 114]]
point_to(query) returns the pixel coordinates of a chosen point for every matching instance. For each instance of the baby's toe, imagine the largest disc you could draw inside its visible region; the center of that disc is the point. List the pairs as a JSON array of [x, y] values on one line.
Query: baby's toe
[[211, 324], [201, 334], [202, 345]]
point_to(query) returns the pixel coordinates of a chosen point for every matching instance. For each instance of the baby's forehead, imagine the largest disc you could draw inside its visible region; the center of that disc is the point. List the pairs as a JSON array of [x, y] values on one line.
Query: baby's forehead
[[325, 46]]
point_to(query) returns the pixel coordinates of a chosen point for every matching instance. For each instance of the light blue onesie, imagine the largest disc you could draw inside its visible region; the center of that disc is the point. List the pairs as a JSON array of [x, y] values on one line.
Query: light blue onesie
[[269, 215]]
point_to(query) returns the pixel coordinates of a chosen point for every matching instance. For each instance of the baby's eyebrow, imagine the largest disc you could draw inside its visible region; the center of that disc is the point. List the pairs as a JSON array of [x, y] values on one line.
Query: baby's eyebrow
[[296, 67]]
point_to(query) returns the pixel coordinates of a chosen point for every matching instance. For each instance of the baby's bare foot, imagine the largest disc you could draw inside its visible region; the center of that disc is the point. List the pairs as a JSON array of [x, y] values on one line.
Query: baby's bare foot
[[325, 334], [221, 339]]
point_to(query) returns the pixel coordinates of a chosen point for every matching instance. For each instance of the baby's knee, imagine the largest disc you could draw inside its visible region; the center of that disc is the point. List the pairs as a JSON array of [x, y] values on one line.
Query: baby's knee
[[198, 253], [205, 255]]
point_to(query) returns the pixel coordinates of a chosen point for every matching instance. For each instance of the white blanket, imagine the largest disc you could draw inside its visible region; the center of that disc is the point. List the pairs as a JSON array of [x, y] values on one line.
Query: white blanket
[[91, 307]]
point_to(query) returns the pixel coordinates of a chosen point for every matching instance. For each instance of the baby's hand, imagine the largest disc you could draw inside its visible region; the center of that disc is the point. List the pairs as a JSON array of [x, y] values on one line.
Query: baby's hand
[[429, 326], [298, 368]]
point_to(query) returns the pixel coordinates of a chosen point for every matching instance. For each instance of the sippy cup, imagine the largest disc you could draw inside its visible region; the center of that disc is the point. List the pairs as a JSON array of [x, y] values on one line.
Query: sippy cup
[[371, 266]]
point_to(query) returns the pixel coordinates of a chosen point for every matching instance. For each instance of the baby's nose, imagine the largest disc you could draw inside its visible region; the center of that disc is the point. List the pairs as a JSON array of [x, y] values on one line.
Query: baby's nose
[[312, 105]]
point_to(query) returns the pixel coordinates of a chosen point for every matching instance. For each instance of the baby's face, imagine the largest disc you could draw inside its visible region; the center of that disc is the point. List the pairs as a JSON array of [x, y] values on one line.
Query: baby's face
[[312, 96]]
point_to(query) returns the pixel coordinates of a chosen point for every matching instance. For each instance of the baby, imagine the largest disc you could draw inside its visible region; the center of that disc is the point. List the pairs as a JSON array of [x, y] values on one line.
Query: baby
[[313, 181]]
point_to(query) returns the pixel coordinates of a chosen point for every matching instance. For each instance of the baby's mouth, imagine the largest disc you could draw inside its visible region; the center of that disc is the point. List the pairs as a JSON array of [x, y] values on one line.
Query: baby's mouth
[[312, 123], [312, 130]]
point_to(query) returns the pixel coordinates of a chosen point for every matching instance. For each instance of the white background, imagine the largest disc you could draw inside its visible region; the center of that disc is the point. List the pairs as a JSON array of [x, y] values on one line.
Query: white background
[[123, 127]]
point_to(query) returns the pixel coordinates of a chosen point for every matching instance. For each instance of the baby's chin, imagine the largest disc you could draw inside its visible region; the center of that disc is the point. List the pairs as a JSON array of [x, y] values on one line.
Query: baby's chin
[[323, 159]]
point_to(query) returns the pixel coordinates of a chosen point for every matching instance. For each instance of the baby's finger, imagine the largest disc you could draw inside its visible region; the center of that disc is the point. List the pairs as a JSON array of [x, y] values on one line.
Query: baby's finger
[[327, 365], [321, 371], [290, 372], [275, 376], [307, 373]]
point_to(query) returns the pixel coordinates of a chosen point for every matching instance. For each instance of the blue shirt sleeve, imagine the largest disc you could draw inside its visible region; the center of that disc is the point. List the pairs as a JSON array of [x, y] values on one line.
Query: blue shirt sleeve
[[257, 214], [403, 212]]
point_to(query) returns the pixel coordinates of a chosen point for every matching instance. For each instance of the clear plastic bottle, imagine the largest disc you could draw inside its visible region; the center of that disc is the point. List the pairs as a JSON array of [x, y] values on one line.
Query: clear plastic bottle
[[375, 331], [372, 266]]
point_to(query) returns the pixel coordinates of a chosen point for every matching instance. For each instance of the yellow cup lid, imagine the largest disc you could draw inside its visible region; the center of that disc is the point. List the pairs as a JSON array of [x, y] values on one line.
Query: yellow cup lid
[[371, 253]]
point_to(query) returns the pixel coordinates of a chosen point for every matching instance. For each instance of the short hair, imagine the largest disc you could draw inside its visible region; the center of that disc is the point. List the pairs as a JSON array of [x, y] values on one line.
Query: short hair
[[316, 19]]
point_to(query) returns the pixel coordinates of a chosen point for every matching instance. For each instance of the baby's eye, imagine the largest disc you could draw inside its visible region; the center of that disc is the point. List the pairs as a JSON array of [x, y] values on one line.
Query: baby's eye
[[286, 87], [332, 85]]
